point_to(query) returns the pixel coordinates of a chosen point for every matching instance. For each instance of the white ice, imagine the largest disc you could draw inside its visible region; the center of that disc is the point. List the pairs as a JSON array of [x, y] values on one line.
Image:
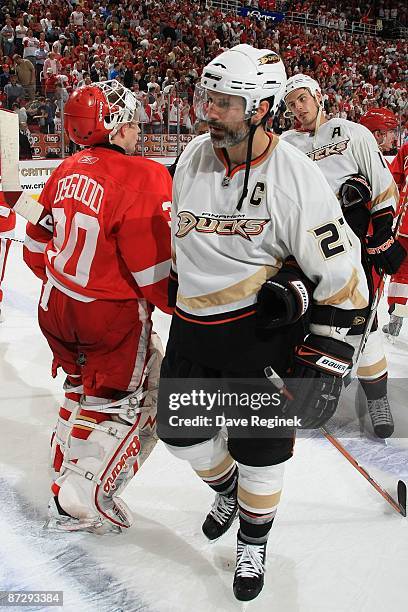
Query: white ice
[[336, 545]]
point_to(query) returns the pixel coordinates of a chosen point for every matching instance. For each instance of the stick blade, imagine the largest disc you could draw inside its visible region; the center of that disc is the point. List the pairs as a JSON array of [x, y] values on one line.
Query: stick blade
[[402, 497]]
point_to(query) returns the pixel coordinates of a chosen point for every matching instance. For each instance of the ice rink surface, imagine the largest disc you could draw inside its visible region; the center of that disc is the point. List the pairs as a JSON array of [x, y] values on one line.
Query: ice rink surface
[[335, 546]]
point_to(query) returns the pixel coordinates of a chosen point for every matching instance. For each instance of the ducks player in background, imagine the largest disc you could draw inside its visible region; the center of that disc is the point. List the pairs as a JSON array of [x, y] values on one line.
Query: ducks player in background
[[349, 157], [382, 122], [245, 205], [103, 269]]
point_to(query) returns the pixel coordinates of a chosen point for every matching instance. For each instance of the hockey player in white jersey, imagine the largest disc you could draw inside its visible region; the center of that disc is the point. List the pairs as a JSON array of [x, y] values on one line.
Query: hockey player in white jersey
[[349, 157], [245, 207]]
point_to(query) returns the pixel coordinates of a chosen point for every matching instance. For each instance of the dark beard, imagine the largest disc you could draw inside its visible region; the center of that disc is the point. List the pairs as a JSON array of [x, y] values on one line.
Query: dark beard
[[230, 137]]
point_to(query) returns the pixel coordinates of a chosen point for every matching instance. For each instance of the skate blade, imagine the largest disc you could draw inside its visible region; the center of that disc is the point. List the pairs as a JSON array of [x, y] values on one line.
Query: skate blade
[[249, 605], [70, 525]]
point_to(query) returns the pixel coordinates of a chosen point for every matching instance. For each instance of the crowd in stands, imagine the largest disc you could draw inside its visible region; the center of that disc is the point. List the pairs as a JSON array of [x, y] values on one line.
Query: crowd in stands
[[158, 47], [339, 13]]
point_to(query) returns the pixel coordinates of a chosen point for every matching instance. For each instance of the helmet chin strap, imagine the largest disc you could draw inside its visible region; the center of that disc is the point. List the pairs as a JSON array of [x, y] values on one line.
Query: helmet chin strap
[[251, 134], [317, 125]]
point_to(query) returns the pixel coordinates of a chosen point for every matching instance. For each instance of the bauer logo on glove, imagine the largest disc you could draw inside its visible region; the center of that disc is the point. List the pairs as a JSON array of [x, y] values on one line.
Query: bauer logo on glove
[[284, 299]]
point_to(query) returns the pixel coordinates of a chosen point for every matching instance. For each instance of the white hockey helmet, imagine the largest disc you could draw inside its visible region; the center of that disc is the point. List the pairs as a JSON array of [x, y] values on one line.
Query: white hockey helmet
[[253, 74], [302, 81]]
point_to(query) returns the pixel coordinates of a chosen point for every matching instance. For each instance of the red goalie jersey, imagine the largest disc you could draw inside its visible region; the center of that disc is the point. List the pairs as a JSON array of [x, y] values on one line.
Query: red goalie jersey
[[399, 169], [111, 236]]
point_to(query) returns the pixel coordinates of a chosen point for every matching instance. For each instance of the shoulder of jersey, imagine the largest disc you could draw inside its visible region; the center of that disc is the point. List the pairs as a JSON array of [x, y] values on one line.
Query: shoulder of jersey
[[296, 163], [289, 135], [285, 147], [198, 143], [145, 164], [348, 127], [126, 169], [147, 174]]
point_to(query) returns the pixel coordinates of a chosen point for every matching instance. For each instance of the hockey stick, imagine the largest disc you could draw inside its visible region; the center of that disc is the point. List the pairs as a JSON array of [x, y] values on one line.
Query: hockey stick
[[381, 284], [400, 504], [17, 199]]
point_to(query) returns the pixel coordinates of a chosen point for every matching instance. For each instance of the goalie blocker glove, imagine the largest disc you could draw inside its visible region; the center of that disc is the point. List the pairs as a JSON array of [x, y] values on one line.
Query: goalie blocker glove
[[317, 379], [385, 251]]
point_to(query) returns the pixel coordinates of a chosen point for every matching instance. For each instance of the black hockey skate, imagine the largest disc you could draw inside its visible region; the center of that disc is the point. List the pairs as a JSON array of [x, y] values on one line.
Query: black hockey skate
[[250, 569], [381, 417], [221, 515]]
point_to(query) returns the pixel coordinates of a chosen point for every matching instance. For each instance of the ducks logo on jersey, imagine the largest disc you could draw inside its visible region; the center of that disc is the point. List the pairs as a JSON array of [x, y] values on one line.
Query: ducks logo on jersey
[[223, 226]]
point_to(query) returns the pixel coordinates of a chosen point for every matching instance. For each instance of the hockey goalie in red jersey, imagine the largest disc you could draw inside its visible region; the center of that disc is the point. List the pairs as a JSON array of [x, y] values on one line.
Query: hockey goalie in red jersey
[[104, 268]]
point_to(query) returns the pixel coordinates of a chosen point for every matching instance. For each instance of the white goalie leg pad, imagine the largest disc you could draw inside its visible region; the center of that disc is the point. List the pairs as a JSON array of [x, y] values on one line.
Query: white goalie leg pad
[[147, 428], [205, 455], [65, 420], [97, 470]]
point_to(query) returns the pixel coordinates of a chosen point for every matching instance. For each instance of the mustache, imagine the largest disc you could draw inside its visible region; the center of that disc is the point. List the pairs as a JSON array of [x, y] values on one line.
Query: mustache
[[216, 124]]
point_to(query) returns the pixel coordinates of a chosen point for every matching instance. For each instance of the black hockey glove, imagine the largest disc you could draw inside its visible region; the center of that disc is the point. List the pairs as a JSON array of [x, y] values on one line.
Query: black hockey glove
[[354, 196], [385, 251], [317, 379], [284, 298]]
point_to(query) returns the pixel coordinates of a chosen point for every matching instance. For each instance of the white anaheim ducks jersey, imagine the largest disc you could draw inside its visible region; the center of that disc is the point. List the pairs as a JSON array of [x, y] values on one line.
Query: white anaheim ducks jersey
[[343, 148], [223, 255]]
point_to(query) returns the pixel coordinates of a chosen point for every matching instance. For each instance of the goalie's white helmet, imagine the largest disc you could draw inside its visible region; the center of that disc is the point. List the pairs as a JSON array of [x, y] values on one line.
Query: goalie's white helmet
[[253, 74], [302, 81]]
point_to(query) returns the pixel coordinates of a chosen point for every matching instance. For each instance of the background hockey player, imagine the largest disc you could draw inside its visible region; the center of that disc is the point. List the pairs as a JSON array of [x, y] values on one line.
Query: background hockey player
[[7, 226], [243, 204], [106, 265], [349, 157], [382, 122]]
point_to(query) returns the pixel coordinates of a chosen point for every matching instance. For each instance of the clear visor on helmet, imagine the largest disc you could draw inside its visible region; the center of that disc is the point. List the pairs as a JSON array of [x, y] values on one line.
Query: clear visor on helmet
[[212, 105]]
